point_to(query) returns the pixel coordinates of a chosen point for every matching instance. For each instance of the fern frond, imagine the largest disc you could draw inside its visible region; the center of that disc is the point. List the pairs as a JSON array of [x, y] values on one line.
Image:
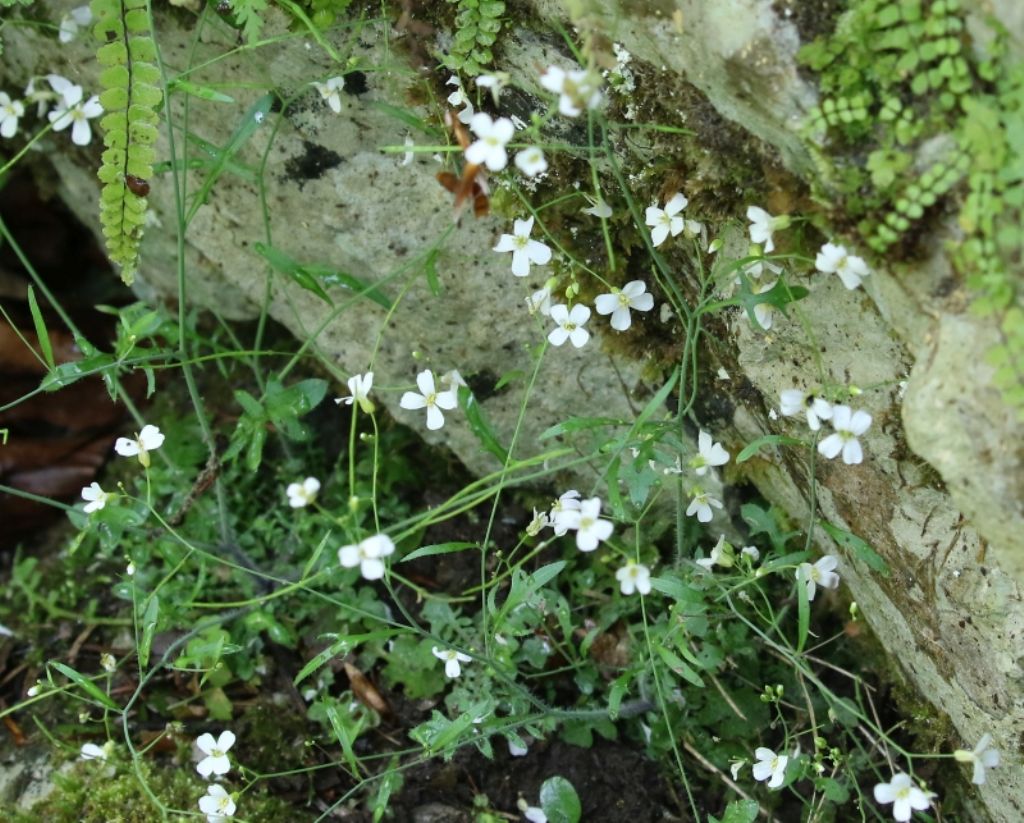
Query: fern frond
[[131, 98]]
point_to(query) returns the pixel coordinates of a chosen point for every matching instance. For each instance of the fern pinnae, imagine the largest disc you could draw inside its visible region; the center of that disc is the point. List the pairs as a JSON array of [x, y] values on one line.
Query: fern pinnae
[[131, 97]]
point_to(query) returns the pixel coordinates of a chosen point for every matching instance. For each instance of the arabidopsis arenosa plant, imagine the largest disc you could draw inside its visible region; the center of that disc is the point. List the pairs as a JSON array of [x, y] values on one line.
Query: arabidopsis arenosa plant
[[709, 453], [763, 226], [848, 425], [822, 573], [145, 441], [568, 502], [458, 98], [367, 555], [453, 661], [524, 250], [770, 766], [590, 529], [668, 220], [569, 325], [72, 110], [96, 497], [493, 135], [71, 22], [983, 757], [216, 804], [540, 301], [10, 111], [330, 90], [302, 494], [577, 90], [531, 161], [794, 401], [597, 208], [634, 577], [904, 795], [633, 295], [216, 751], [90, 751], [359, 385], [701, 505], [833, 259], [430, 399], [721, 555]]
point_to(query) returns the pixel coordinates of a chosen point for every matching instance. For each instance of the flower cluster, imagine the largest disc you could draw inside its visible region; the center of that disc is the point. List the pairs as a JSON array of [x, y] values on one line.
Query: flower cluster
[[217, 804], [847, 424], [709, 454], [71, 107], [330, 92]]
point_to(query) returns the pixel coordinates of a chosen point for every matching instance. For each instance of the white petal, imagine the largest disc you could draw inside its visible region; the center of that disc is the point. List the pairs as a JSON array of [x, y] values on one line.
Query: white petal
[[831, 446], [852, 452], [372, 568], [606, 303], [349, 556], [411, 400], [621, 319], [435, 419], [425, 382], [81, 133]]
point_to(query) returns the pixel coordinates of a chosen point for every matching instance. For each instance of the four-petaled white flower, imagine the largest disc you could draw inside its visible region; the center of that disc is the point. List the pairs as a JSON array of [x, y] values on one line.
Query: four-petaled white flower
[[367, 555], [430, 399], [633, 295], [664, 222], [71, 22], [834, 259], [90, 751], [848, 425], [216, 751], [577, 90], [585, 521], [701, 505], [359, 385], [904, 795], [531, 161], [540, 301], [794, 401], [458, 98], [634, 577], [71, 109], [983, 757], [570, 501], [709, 453], [145, 441], [493, 135], [763, 226], [597, 208], [217, 804], [570, 325], [822, 573], [330, 90], [721, 555], [495, 82], [302, 494], [453, 660], [770, 766], [96, 497], [10, 111], [524, 250]]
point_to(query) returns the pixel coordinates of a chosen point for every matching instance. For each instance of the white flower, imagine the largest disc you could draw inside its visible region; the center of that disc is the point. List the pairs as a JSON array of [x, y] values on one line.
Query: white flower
[[822, 573], [34, 690], [367, 555], [10, 111], [537, 524], [590, 529], [535, 814], [668, 220], [489, 149], [735, 766], [570, 325], [96, 496], [524, 250], [597, 208], [530, 161], [848, 425], [568, 502], [330, 90], [130, 569], [701, 505], [430, 399], [763, 225], [452, 660], [147, 440], [634, 577], [764, 313], [770, 766], [216, 751], [904, 796], [751, 552], [40, 97], [794, 401], [90, 751], [458, 98], [983, 757], [577, 90], [495, 82], [540, 301], [756, 269], [71, 22], [833, 259], [721, 555], [633, 295], [516, 750], [216, 804], [359, 385], [709, 454], [452, 380], [108, 663], [302, 494], [72, 110]]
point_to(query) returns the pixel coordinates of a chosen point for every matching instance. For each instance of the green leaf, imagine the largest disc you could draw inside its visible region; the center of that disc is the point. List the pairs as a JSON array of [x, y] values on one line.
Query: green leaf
[[293, 270], [149, 621], [41, 333], [559, 801], [859, 547], [430, 270], [339, 648], [545, 574], [755, 446], [438, 548], [481, 427], [679, 666], [576, 424], [803, 612], [86, 685], [196, 90], [741, 811]]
